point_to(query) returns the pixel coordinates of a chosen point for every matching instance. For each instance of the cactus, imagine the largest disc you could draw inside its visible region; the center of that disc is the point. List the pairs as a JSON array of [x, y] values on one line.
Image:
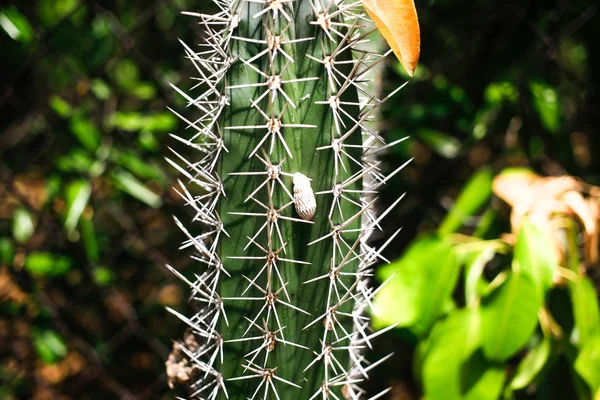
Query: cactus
[[282, 128]]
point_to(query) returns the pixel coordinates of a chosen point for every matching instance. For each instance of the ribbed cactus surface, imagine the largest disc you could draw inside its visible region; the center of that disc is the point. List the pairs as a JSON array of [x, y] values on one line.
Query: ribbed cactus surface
[[283, 186]]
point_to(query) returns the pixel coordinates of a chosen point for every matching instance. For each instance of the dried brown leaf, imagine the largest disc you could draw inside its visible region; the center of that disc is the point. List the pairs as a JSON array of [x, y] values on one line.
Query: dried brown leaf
[[398, 23]]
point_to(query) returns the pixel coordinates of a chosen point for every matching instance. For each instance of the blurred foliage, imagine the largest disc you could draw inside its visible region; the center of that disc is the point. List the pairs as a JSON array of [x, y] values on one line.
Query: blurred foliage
[[483, 313], [85, 202]]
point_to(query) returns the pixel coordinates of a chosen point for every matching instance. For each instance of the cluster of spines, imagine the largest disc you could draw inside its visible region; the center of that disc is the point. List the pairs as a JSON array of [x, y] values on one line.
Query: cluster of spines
[[211, 63], [341, 31]]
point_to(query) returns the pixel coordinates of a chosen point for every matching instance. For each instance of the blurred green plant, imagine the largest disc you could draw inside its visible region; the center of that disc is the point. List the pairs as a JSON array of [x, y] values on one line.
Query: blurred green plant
[[82, 179], [486, 316]]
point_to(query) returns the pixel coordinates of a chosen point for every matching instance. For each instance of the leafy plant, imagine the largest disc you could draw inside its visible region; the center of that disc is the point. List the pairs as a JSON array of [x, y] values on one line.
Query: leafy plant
[[479, 306]]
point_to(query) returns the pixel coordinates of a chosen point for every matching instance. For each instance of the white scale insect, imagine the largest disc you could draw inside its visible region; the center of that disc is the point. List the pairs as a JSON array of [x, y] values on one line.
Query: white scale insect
[[304, 198]]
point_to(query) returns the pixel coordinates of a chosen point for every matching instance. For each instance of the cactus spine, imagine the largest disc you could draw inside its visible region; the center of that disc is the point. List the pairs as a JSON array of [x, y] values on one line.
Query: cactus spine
[[282, 90]]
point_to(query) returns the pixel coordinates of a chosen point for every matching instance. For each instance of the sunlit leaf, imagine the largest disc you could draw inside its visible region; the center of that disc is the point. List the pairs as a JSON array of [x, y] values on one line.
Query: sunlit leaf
[[144, 91], [133, 121], [129, 184], [53, 11], [103, 276], [481, 379], [77, 160], [486, 222], [535, 257], [424, 278], [88, 134], [441, 143], [441, 270], [499, 92], [101, 26], [474, 265], [398, 23], [545, 102], [472, 197], [15, 24], [148, 141], [587, 363], [586, 311], [138, 166], [100, 89], [126, 74], [49, 346], [23, 225], [77, 196], [398, 301], [452, 341], [509, 316], [47, 264], [532, 364], [60, 106]]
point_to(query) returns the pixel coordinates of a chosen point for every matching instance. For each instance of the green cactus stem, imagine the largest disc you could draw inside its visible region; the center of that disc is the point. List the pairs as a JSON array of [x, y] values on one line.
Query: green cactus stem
[[282, 113]]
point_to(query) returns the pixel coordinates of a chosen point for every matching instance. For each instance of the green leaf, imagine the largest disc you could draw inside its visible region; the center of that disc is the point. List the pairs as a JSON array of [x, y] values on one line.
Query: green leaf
[[532, 364], [587, 363], [126, 74], [486, 222], [423, 280], [77, 160], [90, 243], [473, 196], [103, 276], [60, 106], [585, 310], [534, 256], [480, 379], [23, 225], [475, 263], [129, 184], [49, 346], [441, 271], [88, 134], [100, 89], [509, 316], [16, 25], [134, 121], [452, 341], [545, 102], [52, 12], [499, 92], [445, 145], [396, 302], [53, 185], [144, 91], [138, 166], [47, 264], [77, 196], [148, 141], [7, 251]]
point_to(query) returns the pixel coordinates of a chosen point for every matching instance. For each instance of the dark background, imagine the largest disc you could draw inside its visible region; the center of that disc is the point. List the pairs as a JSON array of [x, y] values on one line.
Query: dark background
[[85, 198]]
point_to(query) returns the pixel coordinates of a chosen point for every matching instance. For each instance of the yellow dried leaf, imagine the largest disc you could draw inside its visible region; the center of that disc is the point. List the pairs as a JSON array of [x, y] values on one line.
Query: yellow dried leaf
[[398, 23], [515, 186], [581, 209]]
